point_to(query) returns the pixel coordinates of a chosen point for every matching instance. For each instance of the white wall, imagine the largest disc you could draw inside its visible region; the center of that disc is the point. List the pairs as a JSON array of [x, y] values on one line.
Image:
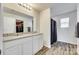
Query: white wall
[[1, 27], [67, 34], [45, 26]]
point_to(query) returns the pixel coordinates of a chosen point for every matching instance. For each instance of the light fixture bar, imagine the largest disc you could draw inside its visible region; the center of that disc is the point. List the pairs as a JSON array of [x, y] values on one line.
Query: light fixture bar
[[25, 5]]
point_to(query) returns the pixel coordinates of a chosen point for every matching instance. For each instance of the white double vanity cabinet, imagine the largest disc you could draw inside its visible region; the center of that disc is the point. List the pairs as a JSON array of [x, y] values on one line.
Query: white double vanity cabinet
[[23, 45]]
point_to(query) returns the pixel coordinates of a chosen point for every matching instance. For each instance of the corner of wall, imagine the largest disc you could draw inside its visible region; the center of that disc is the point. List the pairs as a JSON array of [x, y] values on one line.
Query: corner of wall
[[45, 26]]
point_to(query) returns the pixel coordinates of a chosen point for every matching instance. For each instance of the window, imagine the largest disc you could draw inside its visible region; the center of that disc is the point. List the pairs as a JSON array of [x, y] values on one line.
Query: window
[[64, 22]]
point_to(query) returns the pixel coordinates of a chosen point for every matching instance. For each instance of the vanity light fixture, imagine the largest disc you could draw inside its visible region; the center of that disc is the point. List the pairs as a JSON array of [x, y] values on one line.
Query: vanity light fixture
[[25, 5]]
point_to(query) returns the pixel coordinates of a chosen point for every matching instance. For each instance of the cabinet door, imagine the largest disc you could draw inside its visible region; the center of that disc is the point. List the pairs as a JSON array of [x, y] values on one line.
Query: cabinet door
[[27, 46], [40, 42], [35, 44], [14, 50]]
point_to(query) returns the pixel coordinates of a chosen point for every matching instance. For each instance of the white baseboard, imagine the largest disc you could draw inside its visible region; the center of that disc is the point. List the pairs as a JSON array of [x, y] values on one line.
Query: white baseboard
[[69, 42]]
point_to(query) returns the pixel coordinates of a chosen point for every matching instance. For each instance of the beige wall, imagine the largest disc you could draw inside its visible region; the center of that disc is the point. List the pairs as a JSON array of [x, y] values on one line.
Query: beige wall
[[33, 13], [45, 26]]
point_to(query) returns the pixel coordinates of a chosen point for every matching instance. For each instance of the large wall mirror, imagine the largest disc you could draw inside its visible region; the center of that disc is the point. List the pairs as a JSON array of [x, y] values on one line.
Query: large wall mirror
[[16, 22]]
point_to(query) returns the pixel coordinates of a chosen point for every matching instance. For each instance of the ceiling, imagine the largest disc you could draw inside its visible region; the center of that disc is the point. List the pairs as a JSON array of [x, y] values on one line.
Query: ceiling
[[42, 6]]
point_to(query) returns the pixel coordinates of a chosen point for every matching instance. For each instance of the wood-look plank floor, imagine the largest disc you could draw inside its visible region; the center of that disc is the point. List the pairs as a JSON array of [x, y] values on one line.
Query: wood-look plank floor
[[42, 51], [59, 48]]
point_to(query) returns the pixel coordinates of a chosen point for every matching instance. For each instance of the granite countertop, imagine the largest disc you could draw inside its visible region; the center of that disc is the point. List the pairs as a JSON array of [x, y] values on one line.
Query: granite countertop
[[11, 38]]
